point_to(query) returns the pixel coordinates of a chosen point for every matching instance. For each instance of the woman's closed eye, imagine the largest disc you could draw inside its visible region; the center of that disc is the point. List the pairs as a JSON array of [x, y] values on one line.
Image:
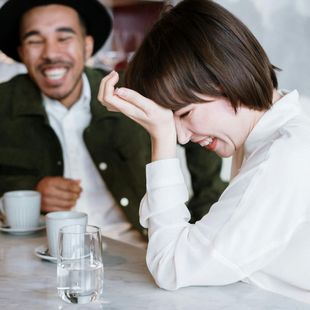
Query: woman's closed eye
[[184, 114]]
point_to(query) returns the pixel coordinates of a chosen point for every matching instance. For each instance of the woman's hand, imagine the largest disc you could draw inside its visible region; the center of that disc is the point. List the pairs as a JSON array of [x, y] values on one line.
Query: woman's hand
[[157, 120]]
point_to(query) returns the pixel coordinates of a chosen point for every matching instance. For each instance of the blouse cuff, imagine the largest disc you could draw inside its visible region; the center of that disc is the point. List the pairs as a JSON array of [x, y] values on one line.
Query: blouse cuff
[[163, 173]]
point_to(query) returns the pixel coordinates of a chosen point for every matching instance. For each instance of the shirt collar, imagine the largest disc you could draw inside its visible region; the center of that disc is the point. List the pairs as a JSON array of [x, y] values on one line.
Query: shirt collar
[[268, 126]]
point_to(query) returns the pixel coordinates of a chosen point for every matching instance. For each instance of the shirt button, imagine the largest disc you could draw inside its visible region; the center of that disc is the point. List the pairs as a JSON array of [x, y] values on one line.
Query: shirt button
[[103, 166], [144, 232], [59, 163], [124, 202]]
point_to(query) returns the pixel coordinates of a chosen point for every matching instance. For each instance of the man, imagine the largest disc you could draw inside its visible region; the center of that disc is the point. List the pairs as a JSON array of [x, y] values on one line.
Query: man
[[58, 139]]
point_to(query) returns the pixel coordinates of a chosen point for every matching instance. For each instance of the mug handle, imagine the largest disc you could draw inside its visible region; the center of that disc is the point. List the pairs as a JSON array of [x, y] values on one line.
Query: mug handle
[[2, 213]]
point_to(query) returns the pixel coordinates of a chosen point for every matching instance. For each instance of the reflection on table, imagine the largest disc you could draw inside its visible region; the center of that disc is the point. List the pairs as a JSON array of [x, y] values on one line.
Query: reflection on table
[[27, 282]]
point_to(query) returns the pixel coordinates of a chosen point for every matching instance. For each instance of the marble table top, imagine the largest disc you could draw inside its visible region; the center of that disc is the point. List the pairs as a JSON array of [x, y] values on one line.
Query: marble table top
[[27, 282]]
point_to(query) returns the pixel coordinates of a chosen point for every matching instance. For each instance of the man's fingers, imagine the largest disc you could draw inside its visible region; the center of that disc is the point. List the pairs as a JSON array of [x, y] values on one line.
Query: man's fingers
[[58, 193], [58, 202], [63, 195], [49, 183], [52, 203], [68, 185]]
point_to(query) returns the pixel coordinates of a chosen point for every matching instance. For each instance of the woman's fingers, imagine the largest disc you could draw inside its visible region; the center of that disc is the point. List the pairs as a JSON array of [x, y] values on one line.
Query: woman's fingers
[[154, 118], [117, 99], [108, 97], [135, 98], [106, 90]]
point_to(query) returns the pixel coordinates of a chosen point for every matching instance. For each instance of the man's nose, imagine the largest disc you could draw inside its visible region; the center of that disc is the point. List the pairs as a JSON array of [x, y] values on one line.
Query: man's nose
[[50, 49], [183, 134]]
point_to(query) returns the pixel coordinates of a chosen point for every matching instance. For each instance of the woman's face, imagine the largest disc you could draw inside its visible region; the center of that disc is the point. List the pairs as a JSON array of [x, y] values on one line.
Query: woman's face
[[215, 125]]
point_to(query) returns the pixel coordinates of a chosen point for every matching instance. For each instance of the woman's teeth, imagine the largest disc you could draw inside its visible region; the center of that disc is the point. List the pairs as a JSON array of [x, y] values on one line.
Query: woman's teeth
[[206, 142], [55, 74]]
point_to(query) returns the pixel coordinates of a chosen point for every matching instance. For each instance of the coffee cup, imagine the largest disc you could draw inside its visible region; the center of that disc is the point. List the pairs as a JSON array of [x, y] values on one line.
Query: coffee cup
[[56, 220], [21, 209]]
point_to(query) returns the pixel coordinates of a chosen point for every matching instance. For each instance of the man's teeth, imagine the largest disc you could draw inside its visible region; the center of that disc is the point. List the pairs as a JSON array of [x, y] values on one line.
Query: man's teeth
[[206, 142], [55, 74]]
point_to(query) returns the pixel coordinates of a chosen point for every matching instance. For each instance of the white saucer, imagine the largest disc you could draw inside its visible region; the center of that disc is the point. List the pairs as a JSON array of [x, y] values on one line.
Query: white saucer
[[22, 231], [42, 252]]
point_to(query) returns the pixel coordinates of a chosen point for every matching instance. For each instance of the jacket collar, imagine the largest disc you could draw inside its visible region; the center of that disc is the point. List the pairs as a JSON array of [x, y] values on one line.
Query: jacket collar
[[98, 111], [26, 97], [29, 99]]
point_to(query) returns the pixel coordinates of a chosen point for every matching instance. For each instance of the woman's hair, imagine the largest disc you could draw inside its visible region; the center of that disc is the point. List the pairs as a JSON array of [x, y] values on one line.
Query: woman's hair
[[199, 48]]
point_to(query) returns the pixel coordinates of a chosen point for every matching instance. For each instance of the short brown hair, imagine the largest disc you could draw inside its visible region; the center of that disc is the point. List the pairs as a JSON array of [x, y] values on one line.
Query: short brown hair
[[199, 48]]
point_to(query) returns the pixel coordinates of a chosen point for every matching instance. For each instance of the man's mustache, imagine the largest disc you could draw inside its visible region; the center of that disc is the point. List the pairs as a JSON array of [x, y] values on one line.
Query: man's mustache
[[48, 62]]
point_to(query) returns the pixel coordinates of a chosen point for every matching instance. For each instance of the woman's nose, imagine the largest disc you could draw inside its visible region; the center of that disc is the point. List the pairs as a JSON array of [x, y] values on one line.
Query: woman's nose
[[183, 134]]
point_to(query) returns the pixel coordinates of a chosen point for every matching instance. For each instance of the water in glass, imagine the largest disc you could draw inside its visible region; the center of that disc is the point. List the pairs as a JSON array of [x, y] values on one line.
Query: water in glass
[[80, 284]]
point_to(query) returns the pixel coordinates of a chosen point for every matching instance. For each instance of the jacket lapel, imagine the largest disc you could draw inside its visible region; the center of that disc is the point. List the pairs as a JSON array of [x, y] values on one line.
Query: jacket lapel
[[98, 111], [28, 98]]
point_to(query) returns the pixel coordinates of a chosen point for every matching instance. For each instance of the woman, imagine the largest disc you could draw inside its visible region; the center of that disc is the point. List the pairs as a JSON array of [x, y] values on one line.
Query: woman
[[201, 75]]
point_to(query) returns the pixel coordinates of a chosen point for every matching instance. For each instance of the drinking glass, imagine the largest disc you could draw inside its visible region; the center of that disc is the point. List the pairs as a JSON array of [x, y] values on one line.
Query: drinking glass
[[79, 264]]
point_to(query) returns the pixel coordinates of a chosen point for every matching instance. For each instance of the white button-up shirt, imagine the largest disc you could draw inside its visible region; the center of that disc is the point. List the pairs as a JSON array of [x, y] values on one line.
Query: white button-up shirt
[[96, 200], [259, 229]]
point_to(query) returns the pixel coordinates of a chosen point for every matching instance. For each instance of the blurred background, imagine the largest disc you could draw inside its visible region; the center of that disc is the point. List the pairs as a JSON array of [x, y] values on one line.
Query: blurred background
[[281, 26], [283, 29]]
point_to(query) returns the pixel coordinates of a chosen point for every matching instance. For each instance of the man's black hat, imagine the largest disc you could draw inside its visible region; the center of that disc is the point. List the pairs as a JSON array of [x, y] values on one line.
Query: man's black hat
[[97, 20]]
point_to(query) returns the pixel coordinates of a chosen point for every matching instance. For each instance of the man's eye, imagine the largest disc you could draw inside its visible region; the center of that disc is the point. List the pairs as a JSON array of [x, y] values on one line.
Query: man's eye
[[34, 42], [64, 39]]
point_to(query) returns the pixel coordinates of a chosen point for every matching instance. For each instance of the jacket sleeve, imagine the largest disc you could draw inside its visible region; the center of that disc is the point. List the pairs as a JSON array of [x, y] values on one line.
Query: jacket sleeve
[[20, 167], [20, 182], [29, 149], [204, 168]]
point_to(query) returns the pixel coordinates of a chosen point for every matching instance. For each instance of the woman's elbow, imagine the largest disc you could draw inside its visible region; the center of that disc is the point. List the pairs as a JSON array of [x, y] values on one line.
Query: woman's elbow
[[163, 272]]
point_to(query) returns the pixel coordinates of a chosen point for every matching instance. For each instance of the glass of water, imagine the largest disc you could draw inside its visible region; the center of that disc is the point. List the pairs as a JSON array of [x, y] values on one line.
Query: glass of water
[[79, 264]]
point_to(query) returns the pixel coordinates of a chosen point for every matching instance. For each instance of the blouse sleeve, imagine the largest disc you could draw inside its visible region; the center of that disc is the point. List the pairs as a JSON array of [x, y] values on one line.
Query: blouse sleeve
[[243, 231]]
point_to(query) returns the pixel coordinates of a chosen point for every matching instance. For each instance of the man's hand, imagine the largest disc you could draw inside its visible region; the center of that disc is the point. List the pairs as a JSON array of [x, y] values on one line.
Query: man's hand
[[58, 193]]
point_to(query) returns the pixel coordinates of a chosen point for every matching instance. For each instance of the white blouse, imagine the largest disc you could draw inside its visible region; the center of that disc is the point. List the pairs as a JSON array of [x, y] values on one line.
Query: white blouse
[[258, 231]]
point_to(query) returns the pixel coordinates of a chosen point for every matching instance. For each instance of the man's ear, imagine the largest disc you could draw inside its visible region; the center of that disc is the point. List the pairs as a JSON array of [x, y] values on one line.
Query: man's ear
[[89, 46]]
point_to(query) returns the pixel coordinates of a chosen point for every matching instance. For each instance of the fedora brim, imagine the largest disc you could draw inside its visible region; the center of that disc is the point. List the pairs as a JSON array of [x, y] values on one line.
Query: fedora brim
[[97, 19]]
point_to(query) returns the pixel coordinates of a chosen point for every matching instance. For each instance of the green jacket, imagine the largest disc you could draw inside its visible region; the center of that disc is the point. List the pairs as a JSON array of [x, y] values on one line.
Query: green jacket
[[30, 149]]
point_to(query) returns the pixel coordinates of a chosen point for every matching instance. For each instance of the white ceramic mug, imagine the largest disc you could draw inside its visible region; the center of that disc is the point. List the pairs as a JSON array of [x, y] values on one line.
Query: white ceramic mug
[[21, 209], [56, 220]]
